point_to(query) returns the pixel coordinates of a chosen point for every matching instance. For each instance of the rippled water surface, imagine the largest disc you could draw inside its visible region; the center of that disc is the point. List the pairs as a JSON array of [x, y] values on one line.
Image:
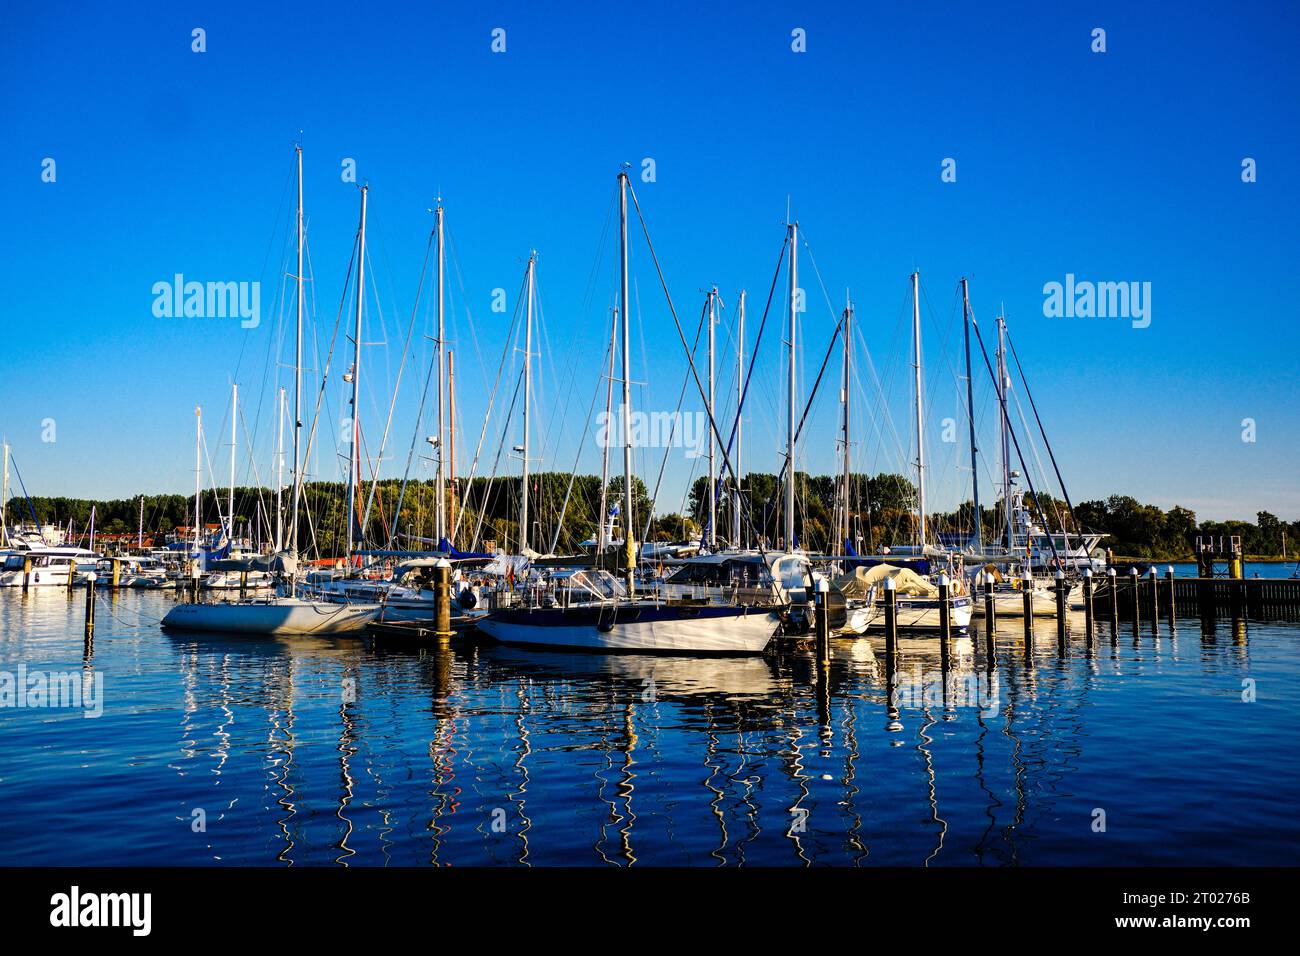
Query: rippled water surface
[[239, 751]]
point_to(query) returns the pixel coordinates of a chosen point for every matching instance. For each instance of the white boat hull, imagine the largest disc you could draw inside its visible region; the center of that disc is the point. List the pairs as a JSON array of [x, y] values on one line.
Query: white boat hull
[[662, 630], [283, 616]]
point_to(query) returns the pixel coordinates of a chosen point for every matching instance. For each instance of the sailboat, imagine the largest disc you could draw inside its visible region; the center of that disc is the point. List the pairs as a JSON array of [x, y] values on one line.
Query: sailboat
[[608, 616], [289, 615]]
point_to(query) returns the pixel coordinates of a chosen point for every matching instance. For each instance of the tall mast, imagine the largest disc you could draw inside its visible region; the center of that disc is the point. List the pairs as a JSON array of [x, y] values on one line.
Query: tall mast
[[848, 389], [1003, 383], [790, 397], [451, 436], [920, 412], [970, 414], [230, 501], [297, 378], [198, 473], [713, 470], [139, 535], [354, 458], [441, 491], [279, 479], [736, 532], [602, 537], [528, 392], [629, 547], [4, 500]]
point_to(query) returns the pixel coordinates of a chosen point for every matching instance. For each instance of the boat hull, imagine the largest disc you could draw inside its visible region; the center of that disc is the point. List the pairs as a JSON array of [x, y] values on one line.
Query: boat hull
[[639, 629], [286, 616]]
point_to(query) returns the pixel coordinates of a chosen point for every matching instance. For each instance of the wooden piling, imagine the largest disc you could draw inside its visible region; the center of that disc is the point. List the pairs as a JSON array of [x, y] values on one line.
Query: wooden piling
[[1113, 580], [90, 606], [820, 597], [990, 613], [442, 600], [1134, 603], [1027, 591], [1155, 598], [1171, 602], [1061, 591], [1087, 605], [945, 621], [27, 573], [891, 617]]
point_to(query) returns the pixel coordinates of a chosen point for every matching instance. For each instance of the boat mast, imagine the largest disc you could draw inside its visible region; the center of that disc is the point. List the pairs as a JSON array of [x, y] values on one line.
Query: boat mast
[[528, 391], [736, 532], [279, 479], [297, 376], [230, 501], [848, 387], [920, 413], [790, 396], [441, 490], [629, 548], [713, 470], [198, 472], [451, 438], [4, 500], [139, 535], [970, 414], [602, 538], [354, 457], [1003, 383]]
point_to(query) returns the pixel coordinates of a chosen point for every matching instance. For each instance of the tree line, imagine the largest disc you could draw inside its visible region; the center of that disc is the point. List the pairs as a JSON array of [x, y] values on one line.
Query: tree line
[[484, 513]]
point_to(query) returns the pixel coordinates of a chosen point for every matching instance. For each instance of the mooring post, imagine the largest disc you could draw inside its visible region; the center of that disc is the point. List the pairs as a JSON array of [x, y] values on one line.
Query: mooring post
[[821, 597], [90, 605], [990, 614], [945, 621], [243, 584], [1113, 580], [1087, 604], [1171, 604], [1061, 591], [1136, 607], [116, 580], [27, 572], [1155, 598], [945, 609], [1027, 594], [891, 617], [442, 600]]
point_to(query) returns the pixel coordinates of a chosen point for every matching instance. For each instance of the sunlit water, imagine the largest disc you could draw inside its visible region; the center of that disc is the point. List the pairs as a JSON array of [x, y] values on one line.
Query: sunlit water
[[243, 751]]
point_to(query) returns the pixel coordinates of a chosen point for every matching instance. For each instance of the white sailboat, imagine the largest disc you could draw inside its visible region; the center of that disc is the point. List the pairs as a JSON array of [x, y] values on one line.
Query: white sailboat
[[615, 619], [290, 615]]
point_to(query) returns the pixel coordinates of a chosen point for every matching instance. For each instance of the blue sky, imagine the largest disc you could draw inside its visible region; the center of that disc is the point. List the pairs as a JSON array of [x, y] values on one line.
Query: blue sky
[[1118, 166]]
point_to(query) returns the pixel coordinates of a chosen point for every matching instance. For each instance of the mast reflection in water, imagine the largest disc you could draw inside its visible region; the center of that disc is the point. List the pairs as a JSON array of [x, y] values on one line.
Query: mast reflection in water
[[220, 750]]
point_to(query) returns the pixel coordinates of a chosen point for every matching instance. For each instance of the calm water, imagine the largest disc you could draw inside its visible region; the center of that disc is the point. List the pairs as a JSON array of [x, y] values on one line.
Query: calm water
[[313, 752]]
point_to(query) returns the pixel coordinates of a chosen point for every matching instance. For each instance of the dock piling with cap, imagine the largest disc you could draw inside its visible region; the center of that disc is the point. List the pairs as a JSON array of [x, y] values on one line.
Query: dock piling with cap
[[1027, 591], [891, 616]]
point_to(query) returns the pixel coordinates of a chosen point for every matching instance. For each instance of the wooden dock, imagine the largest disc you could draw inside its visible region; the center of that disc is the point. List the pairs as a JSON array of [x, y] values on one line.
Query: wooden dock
[[1265, 598]]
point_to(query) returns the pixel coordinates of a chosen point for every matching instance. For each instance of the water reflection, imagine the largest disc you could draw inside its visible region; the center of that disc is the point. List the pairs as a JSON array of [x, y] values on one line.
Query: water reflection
[[991, 751]]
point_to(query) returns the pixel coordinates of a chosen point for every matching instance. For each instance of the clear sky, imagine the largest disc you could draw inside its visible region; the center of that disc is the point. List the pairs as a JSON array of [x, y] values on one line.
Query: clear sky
[[1117, 166]]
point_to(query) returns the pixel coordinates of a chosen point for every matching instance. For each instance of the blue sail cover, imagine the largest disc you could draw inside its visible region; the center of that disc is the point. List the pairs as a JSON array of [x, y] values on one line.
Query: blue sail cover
[[446, 546]]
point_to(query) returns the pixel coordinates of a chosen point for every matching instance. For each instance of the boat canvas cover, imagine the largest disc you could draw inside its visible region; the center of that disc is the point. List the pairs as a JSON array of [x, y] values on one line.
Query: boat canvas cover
[[862, 580]]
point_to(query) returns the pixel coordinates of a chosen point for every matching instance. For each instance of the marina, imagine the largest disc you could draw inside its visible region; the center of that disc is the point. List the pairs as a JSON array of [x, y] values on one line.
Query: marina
[[344, 752], [707, 455]]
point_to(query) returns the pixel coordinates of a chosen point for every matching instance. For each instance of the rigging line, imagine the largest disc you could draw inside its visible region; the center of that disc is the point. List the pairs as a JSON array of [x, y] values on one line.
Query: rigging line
[[559, 523], [749, 375], [325, 374], [1024, 381], [713, 425], [397, 386], [487, 493], [506, 351], [654, 499], [787, 465], [1012, 432]]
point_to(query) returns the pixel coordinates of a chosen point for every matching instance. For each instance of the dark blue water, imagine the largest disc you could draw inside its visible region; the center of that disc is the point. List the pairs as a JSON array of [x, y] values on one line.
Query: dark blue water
[[311, 752]]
